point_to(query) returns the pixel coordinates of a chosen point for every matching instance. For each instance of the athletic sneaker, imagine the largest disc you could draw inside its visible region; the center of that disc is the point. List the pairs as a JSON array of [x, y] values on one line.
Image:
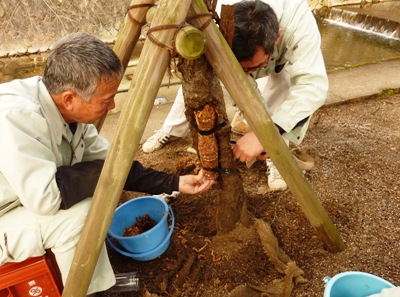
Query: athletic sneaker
[[157, 141], [275, 180]]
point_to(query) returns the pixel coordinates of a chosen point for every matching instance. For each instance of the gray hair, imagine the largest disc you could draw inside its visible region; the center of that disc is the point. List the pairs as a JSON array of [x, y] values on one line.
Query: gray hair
[[79, 62]]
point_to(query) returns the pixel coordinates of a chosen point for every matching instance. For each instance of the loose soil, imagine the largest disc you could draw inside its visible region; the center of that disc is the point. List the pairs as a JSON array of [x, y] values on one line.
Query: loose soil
[[356, 149], [142, 224]]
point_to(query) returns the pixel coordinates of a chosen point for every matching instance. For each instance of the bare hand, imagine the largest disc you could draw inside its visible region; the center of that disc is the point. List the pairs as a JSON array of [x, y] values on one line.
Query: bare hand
[[248, 147], [193, 184]]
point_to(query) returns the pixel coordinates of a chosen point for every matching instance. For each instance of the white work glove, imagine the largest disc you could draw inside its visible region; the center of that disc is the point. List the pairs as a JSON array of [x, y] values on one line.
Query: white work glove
[[169, 198]]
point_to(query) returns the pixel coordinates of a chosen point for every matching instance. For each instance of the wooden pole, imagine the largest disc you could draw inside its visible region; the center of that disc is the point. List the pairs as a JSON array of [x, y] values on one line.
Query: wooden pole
[[130, 29], [190, 43], [150, 14], [128, 36], [151, 68], [231, 74]]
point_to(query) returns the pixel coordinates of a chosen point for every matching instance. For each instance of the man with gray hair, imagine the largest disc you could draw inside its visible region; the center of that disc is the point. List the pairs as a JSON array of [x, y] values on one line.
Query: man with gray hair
[[51, 155]]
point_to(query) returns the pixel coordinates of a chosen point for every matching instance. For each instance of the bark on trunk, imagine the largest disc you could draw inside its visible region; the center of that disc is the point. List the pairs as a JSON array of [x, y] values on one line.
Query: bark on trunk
[[201, 87]]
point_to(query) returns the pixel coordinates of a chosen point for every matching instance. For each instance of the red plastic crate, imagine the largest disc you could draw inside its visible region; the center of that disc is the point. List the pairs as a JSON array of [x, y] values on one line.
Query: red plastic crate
[[38, 276]]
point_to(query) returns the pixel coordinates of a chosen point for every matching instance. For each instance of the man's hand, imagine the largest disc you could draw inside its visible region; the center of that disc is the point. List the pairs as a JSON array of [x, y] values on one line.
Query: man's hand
[[247, 148], [193, 184]]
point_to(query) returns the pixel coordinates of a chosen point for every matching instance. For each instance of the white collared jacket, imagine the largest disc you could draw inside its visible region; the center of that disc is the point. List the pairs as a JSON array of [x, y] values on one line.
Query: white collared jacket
[[34, 141]]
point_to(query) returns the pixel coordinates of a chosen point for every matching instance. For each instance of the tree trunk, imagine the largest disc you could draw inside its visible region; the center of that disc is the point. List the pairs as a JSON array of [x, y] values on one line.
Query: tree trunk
[[203, 93]]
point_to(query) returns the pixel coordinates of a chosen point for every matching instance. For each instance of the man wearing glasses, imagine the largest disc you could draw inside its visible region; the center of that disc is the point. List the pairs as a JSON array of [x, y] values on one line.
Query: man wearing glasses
[[277, 43]]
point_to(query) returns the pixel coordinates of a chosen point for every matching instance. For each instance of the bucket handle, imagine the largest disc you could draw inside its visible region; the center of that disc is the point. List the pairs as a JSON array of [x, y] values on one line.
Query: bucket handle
[[327, 279], [125, 253]]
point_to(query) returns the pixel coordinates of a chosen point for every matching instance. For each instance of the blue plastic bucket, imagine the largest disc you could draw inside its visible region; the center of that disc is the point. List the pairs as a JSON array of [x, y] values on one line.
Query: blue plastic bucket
[[127, 214], [354, 284], [150, 254]]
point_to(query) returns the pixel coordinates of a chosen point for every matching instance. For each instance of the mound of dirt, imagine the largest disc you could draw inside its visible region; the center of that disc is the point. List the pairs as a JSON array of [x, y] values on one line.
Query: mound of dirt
[[355, 148]]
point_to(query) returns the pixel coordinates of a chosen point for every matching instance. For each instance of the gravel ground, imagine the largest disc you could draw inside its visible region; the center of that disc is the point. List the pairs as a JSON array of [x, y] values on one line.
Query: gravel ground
[[355, 147]]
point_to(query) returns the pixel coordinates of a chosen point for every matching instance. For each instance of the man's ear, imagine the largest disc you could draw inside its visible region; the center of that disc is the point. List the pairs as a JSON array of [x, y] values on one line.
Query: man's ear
[[67, 98], [278, 38]]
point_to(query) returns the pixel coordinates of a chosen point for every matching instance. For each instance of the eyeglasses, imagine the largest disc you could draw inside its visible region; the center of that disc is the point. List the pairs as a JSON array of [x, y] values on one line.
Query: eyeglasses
[[254, 68]]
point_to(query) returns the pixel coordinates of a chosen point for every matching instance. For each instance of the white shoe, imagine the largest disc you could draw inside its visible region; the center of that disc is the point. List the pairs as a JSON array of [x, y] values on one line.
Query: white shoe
[[275, 180], [157, 141]]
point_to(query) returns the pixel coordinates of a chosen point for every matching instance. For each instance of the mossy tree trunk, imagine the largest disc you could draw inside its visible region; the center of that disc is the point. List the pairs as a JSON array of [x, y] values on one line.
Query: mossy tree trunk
[[201, 87]]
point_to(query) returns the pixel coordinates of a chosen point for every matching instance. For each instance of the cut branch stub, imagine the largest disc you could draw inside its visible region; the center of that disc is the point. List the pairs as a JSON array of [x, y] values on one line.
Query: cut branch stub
[[227, 22], [190, 42]]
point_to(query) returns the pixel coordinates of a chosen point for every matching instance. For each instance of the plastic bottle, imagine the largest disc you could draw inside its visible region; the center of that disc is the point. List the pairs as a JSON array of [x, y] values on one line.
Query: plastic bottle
[[126, 282]]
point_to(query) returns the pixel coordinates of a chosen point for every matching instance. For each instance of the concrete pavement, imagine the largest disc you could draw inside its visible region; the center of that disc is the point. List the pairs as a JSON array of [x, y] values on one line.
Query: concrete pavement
[[363, 81], [355, 83]]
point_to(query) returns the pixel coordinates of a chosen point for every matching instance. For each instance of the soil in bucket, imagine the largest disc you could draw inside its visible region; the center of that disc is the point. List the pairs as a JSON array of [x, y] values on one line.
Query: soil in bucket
[[142, 224]]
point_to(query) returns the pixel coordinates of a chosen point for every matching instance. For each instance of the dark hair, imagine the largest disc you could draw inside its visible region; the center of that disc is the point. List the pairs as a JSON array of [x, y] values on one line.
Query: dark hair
[[79, 62], [256, 25]]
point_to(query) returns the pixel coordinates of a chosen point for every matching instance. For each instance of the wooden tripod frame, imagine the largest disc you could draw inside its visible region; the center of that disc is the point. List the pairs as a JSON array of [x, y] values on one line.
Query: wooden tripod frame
[[151, 68]]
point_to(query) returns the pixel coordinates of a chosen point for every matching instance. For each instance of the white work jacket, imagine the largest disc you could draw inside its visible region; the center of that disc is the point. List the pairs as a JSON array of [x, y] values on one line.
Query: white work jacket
[[34, 141], [298, 82], [299, 52]]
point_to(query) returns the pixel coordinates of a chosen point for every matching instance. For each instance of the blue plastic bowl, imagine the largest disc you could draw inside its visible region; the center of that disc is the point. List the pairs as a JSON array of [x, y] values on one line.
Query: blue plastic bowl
[[127, 214], [354, 284]]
